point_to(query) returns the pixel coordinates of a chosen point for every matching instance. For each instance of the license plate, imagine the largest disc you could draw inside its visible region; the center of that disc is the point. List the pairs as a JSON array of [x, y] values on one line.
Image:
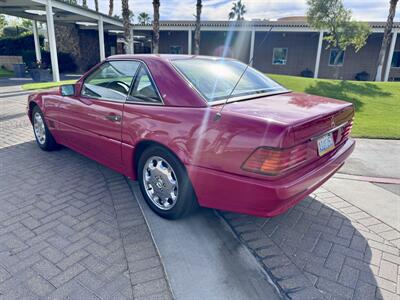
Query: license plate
[[325, 144]]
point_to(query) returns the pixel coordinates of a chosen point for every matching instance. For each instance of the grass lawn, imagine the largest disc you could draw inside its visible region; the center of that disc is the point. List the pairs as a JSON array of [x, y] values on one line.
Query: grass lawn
[[45, 85], [6, 73], [377, 104]]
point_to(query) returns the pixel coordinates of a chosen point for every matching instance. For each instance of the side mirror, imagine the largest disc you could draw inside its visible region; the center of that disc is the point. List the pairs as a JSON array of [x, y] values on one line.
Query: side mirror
[[67, 90]]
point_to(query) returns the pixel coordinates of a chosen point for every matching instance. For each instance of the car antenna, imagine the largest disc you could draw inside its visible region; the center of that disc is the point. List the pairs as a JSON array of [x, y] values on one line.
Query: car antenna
[[219, 114]]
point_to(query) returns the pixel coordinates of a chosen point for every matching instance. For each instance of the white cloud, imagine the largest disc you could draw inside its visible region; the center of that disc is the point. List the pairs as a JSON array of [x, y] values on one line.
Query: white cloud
[[367, 10]]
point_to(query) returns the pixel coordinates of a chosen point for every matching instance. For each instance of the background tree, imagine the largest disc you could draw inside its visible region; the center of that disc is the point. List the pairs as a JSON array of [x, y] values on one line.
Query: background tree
[[84, 3], [26, 23], [126, 14], [386, 38], [110, 7], [197, 28], [156, 25], [143, 18], [3, 23], [131, 17], [237, 11], [342, 32], [96, 5]]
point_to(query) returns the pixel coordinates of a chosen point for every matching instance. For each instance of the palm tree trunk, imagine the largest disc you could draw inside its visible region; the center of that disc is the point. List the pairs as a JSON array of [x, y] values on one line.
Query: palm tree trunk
[[127, 26], [197, 29], [96, 5], [385, 41], [156, 25], [111, 6]]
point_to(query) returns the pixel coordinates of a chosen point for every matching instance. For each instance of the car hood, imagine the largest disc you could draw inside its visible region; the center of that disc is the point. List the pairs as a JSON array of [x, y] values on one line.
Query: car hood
[[306, 115]]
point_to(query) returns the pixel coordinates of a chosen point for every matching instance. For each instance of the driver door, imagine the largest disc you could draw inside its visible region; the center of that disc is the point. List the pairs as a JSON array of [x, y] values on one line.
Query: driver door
[[95, 116]]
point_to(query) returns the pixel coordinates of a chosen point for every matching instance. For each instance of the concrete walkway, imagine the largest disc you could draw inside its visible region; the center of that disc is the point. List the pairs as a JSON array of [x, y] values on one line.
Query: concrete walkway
[[204, 260], [374, 157]]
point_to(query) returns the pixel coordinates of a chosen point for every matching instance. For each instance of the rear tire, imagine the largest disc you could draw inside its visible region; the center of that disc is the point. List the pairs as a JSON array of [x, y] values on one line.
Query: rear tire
[[43, 136], [164, 183]]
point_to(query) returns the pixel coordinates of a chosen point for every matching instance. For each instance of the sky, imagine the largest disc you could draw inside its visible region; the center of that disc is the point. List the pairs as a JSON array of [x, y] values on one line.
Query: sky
[[366, 10]]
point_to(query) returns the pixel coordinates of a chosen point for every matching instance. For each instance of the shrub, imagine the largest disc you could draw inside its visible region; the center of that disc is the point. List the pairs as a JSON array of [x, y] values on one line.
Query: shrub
[[13, 31], [362, 76], [19, 45], [16, 45], [307, 73], [65, 60]]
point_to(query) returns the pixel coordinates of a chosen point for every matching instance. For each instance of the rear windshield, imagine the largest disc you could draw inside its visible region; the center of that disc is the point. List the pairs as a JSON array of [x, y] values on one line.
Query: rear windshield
[[215, 78]]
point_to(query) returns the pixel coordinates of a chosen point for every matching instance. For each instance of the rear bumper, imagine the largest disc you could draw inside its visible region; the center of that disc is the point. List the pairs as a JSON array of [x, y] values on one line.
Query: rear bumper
[[267, 198]]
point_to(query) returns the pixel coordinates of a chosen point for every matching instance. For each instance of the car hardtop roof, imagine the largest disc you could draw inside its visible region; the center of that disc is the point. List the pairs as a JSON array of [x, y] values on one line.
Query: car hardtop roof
[[165, 57]]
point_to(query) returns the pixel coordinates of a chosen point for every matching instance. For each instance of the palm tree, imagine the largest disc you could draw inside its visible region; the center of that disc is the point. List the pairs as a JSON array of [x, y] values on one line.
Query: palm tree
[[84, 3], [131, 17], [143, 18], [96, 5], [385, 40], [111, 7], [156, 25], [127, 26], [197, 29], [238, 10]]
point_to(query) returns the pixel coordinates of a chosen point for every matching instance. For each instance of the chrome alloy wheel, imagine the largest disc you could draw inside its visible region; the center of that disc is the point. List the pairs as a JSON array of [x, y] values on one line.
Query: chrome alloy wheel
[[160, 182], [39, 128]]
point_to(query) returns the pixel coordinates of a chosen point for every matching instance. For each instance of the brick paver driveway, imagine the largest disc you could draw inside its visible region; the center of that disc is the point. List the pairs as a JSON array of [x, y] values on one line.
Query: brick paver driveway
[[325, 248], [69, 228]]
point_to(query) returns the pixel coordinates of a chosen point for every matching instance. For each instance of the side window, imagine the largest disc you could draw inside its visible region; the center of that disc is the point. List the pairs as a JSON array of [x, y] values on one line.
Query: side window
[[111, 80], [143, 89]]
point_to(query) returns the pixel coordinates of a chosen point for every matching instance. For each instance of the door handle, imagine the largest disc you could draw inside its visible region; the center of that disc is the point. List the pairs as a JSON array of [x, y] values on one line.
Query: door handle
[[113, 118]]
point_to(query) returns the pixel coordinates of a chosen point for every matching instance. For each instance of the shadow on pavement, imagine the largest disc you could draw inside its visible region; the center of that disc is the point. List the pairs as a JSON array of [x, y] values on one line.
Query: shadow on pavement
[[312, 252]]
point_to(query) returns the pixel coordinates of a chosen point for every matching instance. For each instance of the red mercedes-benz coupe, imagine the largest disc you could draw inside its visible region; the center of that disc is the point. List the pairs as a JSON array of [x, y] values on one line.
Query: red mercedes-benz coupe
[[162, 119]]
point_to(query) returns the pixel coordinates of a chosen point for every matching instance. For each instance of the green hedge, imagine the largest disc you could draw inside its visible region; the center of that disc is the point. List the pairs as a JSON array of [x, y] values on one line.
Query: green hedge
[[13, 31], [24, 46], [17, 45], [65, 61]]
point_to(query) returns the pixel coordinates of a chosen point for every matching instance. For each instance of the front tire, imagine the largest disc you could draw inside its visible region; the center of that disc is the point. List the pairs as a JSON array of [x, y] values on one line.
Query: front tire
[[43, 136], [164, 183]]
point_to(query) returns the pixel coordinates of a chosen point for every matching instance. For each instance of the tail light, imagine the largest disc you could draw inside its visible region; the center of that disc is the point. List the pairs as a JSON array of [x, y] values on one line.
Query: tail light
[[347, 130], [272, 161]]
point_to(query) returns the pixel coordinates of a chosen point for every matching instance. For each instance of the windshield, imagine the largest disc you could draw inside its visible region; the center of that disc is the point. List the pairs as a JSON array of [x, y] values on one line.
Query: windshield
[[215, 78]]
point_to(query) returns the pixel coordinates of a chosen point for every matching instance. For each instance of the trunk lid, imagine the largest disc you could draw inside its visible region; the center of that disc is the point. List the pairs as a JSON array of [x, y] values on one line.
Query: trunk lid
[[306, 115]]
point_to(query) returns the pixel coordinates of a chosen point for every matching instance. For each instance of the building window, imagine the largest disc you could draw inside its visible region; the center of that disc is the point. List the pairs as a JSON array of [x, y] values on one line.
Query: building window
[[396, 59], [175, 49], [279, 56], [333, 55]]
